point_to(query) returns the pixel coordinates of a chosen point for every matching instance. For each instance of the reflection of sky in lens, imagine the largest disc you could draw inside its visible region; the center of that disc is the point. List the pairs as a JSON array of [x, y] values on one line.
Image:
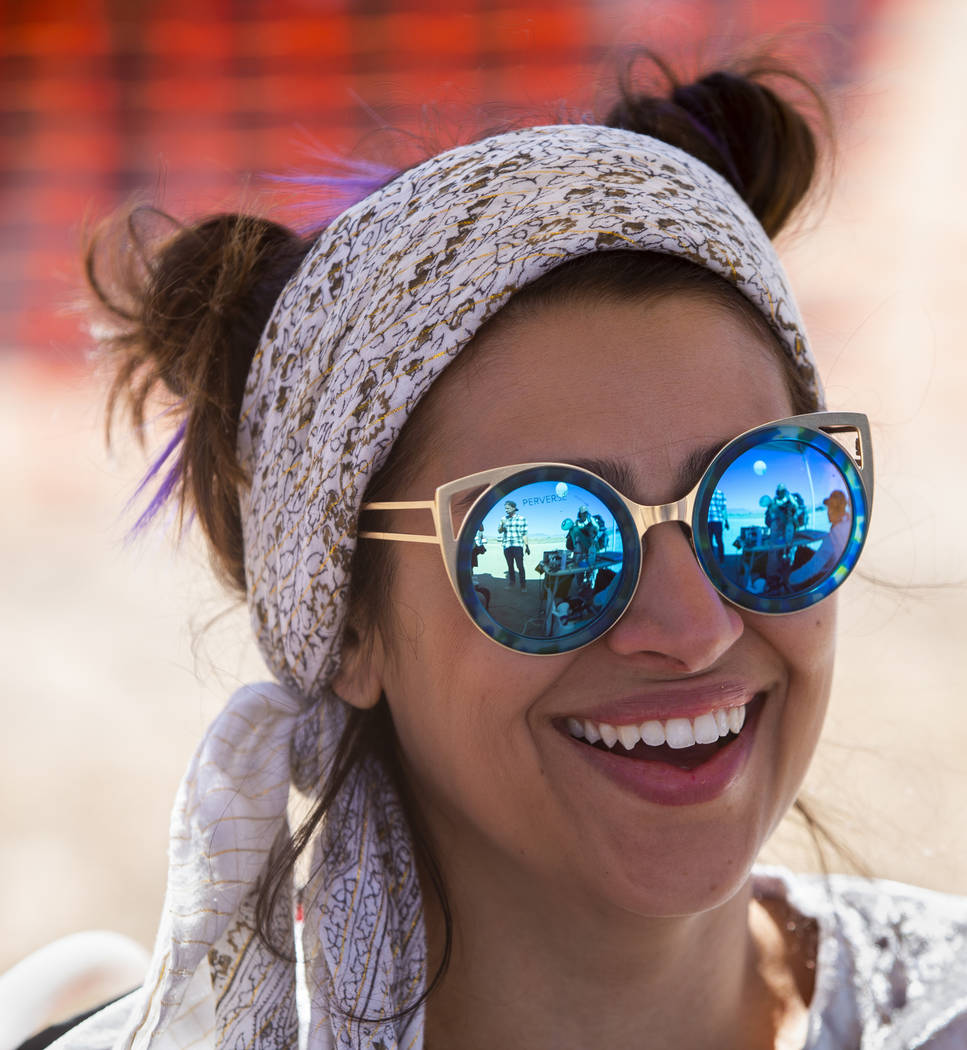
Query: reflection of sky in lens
[[758, 471], [545, 504]]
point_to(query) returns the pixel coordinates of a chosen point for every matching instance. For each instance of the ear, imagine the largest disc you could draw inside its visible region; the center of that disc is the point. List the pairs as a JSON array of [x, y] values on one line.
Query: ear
[[358, 681]]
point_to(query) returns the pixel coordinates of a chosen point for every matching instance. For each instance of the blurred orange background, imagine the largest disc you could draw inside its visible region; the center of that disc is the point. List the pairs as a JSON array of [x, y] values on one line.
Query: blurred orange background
[[107, 693]]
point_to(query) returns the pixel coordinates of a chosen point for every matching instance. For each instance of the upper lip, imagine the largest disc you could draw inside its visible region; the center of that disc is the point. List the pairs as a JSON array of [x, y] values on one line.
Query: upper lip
[[689, 700]]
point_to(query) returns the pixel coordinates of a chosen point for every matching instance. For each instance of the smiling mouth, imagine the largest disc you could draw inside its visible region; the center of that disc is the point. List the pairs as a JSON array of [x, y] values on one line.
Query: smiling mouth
[[684, 743]]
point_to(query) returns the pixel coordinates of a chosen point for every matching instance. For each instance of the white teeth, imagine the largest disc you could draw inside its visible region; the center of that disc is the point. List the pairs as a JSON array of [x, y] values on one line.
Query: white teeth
[[679, 733], [676, 732], [736, 718], [608, 733], [629, 736], [653, 733], [706, 729]]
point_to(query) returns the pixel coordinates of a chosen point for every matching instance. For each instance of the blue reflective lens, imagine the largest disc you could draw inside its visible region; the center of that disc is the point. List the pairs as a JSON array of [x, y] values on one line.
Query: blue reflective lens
[[780, 519], [547, 560]]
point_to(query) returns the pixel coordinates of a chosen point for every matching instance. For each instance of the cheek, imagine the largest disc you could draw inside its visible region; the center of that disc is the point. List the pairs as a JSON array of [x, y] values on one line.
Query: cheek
[[805, 644], [811, 648], [467, 715], [458, 700]]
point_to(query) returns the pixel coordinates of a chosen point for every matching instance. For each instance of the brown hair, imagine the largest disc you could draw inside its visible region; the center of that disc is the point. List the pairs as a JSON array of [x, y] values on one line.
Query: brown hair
[[185, 312], [188, 309], [737, 124]]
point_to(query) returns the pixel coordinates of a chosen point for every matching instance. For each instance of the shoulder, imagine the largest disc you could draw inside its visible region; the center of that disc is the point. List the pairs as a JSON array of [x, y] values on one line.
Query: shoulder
[[891, 968]]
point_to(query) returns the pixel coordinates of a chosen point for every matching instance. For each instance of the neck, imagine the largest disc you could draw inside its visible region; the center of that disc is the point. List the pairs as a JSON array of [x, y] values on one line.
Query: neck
[[546, 971]]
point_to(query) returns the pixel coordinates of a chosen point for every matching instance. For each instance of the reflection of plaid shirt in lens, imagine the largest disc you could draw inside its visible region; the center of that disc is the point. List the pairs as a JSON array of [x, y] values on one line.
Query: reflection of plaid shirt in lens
[[717, 509], [515, 529]]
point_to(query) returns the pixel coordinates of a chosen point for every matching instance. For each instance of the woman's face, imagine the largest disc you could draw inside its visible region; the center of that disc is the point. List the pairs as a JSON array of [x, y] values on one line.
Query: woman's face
[[502, 783]]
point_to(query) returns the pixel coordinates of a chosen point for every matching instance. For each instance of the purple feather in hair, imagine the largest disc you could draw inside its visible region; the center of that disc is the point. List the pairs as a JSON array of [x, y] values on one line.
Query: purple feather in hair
[[322, 198], [169, 482], [344, 182]]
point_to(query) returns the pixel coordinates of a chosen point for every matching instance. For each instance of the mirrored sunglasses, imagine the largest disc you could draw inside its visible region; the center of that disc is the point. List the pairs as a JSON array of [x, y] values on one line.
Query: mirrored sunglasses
[[546, 557]]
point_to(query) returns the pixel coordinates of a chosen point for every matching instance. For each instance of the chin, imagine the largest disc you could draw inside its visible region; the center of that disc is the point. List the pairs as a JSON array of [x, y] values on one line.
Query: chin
[[692, 884]]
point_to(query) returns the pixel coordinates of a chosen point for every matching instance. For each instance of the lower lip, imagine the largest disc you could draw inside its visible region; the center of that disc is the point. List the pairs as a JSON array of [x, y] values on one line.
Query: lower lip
[[669, 786]]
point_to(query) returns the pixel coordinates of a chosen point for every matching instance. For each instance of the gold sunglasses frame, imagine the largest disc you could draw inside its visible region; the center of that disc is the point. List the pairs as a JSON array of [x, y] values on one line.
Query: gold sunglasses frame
[[851, 430]]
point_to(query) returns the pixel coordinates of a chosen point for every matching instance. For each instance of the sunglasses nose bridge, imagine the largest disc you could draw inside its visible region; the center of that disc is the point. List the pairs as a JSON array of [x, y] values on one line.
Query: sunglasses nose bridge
[[645, 517]]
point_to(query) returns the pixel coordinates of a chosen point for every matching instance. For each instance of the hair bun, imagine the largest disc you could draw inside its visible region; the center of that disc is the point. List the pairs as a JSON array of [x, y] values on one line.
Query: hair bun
[[737, 125], [185, 307]]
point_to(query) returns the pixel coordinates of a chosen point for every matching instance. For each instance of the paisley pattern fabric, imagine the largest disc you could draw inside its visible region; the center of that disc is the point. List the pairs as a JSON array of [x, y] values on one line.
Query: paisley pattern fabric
[[391, 292]]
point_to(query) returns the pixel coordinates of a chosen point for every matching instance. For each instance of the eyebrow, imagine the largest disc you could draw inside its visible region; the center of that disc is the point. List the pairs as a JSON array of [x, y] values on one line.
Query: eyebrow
[[689, 472], [614, 473], [696, 463]]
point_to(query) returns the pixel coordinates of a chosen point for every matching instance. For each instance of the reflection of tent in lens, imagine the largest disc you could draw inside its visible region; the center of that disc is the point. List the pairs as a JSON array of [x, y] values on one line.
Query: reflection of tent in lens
[[812, 490]]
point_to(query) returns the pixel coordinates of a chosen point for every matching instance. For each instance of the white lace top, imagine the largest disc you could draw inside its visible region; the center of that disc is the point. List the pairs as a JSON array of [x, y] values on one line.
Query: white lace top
[[891, 969]]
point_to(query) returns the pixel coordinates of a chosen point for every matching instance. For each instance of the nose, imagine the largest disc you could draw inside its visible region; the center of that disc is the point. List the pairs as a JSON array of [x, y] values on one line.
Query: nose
[[676, 621]]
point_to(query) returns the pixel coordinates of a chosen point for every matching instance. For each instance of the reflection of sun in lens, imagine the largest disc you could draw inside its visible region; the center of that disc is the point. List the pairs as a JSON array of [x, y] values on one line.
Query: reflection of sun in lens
[[561, 490], [759, 467]]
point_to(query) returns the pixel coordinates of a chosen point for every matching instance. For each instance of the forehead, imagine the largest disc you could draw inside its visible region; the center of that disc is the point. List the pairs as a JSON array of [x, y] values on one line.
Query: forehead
[[645, 385]]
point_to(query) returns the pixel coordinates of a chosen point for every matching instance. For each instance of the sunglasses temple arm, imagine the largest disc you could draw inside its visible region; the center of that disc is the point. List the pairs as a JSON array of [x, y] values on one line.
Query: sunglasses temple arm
[[406, 537]]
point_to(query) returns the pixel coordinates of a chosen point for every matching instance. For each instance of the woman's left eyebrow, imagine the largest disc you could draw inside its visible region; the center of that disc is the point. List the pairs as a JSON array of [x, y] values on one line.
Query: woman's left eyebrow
[[696, 463]]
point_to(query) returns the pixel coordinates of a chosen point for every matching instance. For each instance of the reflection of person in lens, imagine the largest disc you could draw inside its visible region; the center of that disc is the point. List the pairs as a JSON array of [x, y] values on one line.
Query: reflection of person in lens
[[584, 535], [512, 531], [781, 516], [828, 553], [718, 518], [479, 546]]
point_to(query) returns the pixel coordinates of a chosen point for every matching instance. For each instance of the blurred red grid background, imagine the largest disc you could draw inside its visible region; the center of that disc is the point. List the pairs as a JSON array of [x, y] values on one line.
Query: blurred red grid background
[[103, 100], [106, 693]]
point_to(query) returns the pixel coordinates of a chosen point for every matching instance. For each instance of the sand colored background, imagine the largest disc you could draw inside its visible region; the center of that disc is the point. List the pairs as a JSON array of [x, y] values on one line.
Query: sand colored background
[[105, 698]]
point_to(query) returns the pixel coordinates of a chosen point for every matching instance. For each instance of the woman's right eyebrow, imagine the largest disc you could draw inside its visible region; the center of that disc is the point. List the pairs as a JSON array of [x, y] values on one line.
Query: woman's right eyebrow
[[612, 471], [618, 474]]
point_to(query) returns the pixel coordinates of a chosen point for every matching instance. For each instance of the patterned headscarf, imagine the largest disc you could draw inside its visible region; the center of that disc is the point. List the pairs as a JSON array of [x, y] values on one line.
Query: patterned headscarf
[[390, 293]]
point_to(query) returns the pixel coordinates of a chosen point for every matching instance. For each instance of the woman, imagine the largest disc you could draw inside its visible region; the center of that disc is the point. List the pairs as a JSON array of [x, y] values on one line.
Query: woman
[[550, 829]]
